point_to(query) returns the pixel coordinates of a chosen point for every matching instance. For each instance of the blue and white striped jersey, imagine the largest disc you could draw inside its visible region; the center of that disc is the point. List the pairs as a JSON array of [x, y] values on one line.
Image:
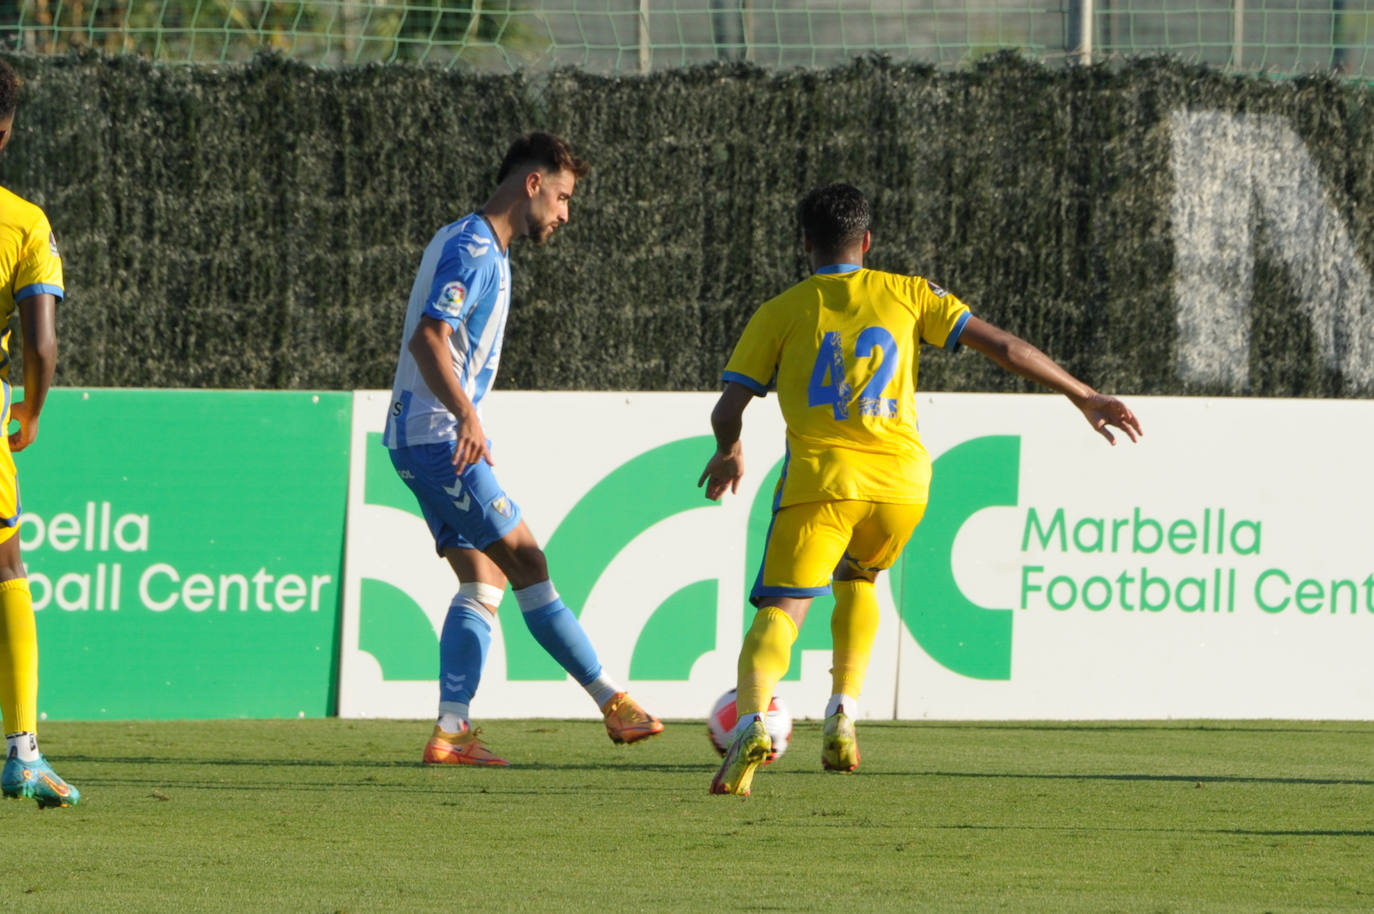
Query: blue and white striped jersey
[[464, 279]]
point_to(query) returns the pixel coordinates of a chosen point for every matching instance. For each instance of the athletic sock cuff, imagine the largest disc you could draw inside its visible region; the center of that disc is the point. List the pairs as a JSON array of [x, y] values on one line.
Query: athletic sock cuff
[[536, 596], [774, 613]]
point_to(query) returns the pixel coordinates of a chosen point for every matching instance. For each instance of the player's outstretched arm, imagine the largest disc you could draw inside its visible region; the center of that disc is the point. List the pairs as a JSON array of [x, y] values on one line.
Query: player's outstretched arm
[[1018, 356], [726, 466], [429, 345], [38, 322]]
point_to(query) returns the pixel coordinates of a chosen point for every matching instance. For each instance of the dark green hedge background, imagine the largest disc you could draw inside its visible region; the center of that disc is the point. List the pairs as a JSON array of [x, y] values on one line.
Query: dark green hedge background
[[259, 226]]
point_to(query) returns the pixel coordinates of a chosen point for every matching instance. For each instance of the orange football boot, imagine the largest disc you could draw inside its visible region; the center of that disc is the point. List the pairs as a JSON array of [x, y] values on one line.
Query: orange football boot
[[461, 748], [627, 722]]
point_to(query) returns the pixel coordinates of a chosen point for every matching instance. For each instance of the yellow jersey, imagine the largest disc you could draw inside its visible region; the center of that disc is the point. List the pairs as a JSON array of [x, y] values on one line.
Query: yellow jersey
[[843, 348], [29, 262]]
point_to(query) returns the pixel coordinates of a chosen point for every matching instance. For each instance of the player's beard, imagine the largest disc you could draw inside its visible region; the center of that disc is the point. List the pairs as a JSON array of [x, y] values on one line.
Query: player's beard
[[541, 232]]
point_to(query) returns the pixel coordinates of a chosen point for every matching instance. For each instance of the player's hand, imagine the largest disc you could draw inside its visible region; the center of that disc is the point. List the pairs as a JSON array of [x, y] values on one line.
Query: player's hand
[[471, 445], [1102, 411], [28, 427], [723, 471]]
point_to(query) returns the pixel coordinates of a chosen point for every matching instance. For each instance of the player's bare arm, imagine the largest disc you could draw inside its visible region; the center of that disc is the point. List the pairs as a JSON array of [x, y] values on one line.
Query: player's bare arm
[[38, 321], [429, 346], [1018, 356], [726, 466]]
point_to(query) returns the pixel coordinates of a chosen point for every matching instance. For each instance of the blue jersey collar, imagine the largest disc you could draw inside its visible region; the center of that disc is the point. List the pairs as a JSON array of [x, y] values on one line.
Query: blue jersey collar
[[839, 268], [491, 230]]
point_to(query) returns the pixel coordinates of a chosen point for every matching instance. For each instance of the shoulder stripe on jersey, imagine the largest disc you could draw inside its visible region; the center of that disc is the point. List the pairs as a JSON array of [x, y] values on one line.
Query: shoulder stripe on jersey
[[474, 238]]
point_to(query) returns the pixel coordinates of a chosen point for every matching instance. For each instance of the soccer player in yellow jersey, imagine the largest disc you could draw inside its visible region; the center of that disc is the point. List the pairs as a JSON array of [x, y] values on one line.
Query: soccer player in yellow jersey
[[30, 280], [842, 347]]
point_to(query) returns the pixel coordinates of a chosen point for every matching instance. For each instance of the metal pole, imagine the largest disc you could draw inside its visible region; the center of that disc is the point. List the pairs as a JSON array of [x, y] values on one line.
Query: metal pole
[[1338, 47], [1078, 32], [1085, 33], [644, 57], [1238, 35], [474, 22], [747, 26]]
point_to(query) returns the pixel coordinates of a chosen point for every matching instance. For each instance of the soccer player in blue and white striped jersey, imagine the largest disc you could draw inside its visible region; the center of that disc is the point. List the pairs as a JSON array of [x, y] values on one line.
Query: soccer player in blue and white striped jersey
[[450, 350]]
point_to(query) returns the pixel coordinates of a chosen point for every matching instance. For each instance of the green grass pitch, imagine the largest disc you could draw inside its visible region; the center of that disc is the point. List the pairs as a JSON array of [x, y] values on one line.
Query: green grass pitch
[[334, 815]]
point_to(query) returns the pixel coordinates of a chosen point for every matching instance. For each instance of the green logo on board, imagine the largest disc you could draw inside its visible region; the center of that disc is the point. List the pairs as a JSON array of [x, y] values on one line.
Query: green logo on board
[[965, 638]]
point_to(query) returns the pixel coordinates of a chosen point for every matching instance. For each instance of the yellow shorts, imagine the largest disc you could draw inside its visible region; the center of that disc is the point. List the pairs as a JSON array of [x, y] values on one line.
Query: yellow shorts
[[9, 482], [807, 541]]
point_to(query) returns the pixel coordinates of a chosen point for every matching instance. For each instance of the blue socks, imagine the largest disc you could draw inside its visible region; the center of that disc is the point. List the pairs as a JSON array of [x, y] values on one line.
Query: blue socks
[[466, 638], [557, 630], [463, 648]]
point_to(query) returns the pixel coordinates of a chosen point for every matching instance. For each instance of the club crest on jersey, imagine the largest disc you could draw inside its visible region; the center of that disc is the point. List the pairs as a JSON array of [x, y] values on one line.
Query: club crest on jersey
[[501, 505], [451, 298], [936, 290]]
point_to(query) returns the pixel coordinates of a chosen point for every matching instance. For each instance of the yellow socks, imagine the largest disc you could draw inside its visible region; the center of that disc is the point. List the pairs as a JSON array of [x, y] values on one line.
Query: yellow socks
[[18, 657], [764, 658], [853, 629], [767, 650]]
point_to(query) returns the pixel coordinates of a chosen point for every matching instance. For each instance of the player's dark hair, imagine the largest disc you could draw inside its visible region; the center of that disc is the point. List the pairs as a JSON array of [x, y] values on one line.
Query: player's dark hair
[[542, 150], [834, 217], [9, 90]]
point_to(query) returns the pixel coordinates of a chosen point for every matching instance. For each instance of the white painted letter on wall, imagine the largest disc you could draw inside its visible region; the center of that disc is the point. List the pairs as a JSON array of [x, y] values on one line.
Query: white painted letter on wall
[[1234, 173]]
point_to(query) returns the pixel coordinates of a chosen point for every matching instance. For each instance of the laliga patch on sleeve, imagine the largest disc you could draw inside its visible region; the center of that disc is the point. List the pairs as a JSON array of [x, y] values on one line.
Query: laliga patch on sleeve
[[451, 298], [52, 244], [938, 292]]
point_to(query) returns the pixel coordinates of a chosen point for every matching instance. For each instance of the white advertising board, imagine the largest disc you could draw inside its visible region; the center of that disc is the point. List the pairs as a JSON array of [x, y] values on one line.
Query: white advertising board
[[1221, 568]]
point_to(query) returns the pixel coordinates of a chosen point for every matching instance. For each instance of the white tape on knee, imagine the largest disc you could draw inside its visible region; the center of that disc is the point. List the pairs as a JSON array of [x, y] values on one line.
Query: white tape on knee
[[486, 594]]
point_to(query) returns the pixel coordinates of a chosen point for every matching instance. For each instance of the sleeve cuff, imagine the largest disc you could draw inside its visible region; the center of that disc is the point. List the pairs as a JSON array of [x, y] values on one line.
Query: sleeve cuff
[[952, 341], [759, 389], [454, 321], [38, 288]]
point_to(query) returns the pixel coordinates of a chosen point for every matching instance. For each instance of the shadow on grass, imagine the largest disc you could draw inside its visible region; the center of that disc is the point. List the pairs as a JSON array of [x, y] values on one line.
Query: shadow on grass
[[614, 764], [1126, 776], [163, 790], [1127, 727], [609, 764], [1245, 832]]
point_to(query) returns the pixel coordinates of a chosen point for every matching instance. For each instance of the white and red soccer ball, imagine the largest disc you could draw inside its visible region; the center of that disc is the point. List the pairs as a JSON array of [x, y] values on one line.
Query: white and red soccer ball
[[721, 724]]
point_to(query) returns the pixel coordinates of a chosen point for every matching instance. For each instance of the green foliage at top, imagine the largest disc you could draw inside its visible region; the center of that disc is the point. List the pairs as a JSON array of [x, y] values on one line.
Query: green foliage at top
[[259, 226]]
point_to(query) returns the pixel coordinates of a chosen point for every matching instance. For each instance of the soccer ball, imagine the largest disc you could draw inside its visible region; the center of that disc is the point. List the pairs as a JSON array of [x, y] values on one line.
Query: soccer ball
[[721, 724]]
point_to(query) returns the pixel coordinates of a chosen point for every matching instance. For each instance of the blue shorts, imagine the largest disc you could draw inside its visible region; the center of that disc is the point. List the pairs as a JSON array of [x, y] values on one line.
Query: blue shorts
[[468, 510]]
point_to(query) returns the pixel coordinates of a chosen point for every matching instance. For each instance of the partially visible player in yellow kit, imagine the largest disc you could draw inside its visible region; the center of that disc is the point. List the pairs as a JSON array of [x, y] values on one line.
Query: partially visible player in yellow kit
[[843, 347], [31, 281]]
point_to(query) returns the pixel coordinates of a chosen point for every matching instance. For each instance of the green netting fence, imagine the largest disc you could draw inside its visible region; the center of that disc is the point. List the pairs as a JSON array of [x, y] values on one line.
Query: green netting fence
[[1159, 227], [617, 36]]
